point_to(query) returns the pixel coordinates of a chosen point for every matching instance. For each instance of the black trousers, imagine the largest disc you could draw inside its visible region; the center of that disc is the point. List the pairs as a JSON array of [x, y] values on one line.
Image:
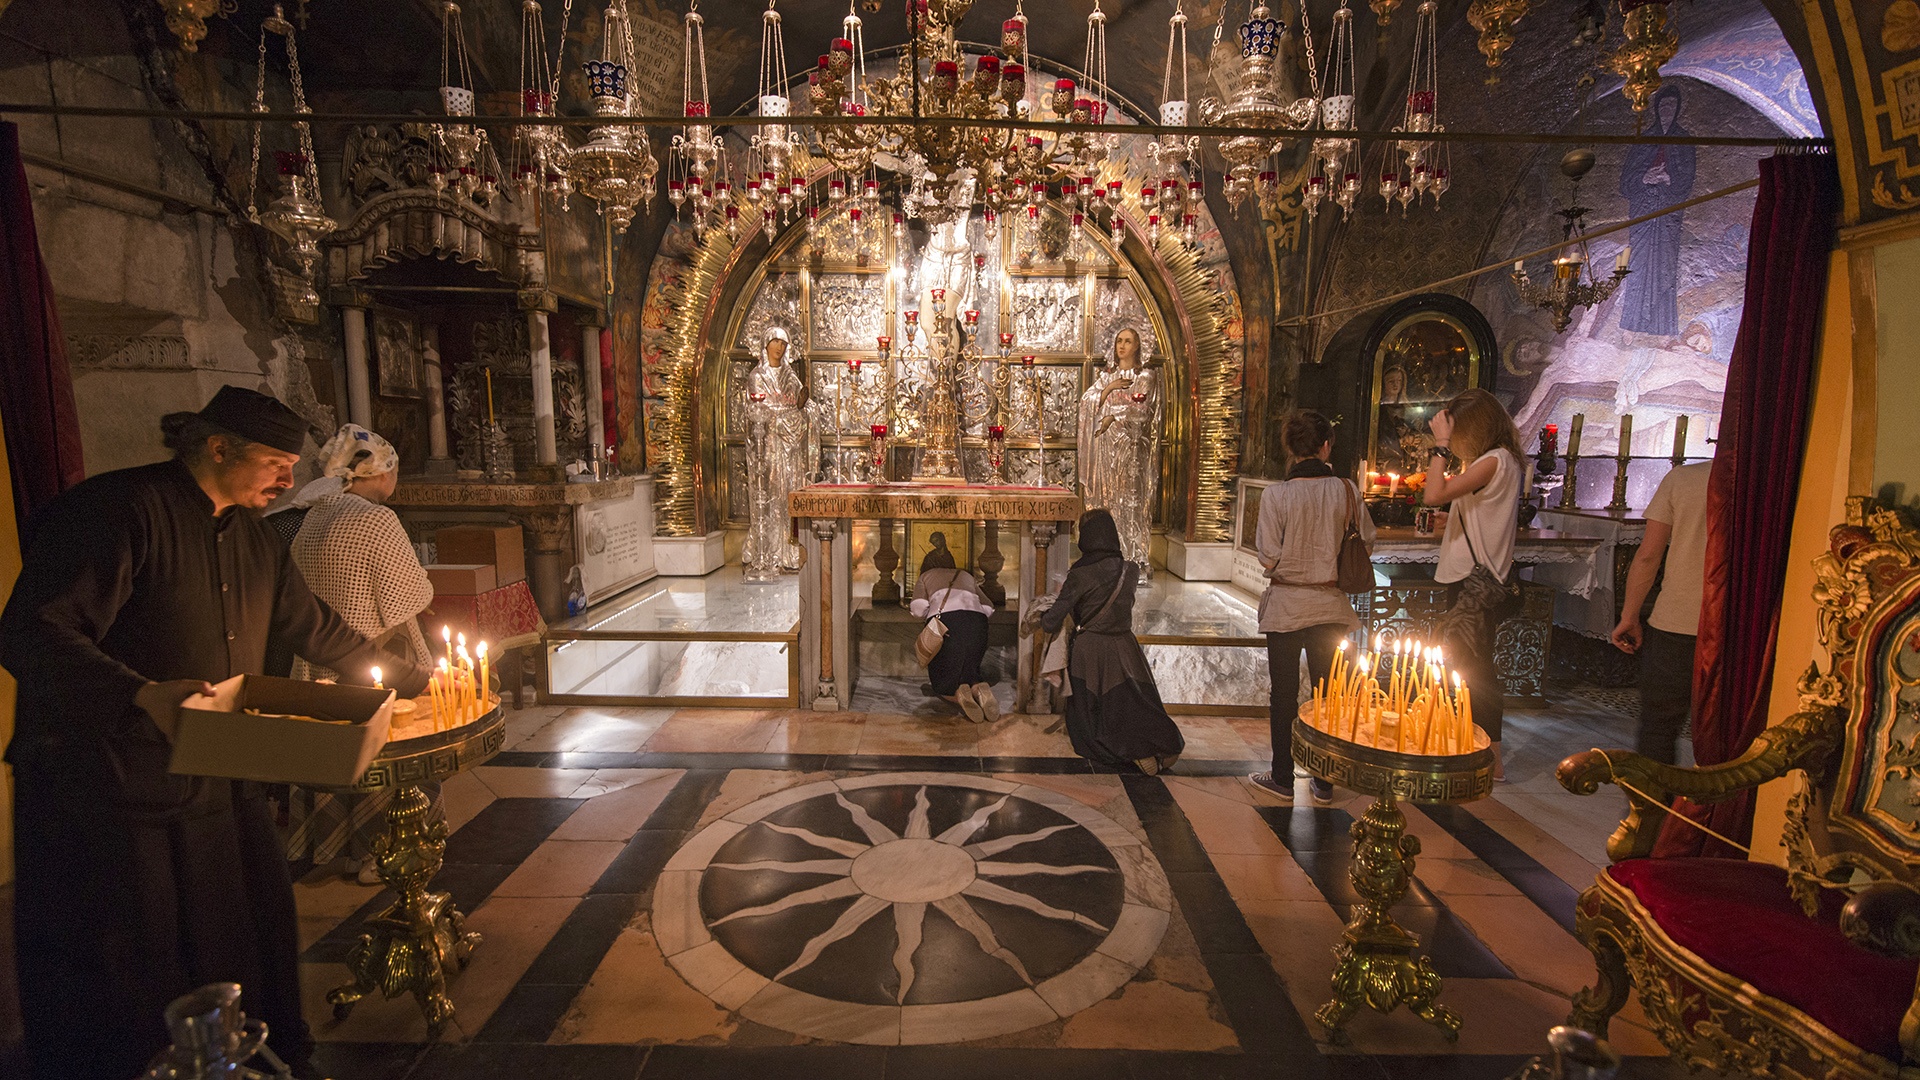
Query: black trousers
[[957, 663], [1666, 691], [117, 913], [1469, 647], [1283, 669]]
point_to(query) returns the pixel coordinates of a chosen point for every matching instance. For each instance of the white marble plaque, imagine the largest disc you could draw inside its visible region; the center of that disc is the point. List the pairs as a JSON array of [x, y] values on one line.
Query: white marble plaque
[[613, 540]]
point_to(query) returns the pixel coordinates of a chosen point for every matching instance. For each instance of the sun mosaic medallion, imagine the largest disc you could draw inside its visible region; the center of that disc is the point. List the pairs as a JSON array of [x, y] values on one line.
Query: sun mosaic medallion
[[911, 908]]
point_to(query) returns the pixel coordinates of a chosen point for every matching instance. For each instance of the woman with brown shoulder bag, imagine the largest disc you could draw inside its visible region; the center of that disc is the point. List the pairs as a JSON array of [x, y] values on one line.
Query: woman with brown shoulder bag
[[1313, 533]]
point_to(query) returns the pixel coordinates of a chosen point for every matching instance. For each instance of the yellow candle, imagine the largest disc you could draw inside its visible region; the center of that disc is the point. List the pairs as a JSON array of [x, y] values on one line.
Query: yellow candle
[[486, 684], [1626, 435], [443, 679], [446, 635], [376, 678], [489, 373], [1463, 705], [1573, 434]]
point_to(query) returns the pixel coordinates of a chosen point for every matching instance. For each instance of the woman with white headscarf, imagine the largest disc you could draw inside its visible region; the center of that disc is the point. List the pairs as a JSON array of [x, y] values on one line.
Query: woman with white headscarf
[[354, 552], [357, 557]]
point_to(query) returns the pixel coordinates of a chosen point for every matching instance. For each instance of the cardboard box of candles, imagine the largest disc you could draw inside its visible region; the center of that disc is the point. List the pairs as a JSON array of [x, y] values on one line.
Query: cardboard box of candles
[[1400, 698], [282, 731]]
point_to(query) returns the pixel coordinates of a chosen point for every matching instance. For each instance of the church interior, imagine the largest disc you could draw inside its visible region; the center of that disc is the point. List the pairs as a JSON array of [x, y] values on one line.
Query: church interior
[[576, 539]]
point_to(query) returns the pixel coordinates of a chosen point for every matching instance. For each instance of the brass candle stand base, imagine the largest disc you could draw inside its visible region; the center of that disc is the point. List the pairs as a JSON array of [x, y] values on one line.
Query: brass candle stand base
[[1378, 965], [420, 940]]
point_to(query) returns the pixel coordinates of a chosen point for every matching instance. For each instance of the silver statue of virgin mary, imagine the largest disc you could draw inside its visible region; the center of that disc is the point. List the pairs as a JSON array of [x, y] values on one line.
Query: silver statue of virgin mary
[[1119, 464], [783, 448]]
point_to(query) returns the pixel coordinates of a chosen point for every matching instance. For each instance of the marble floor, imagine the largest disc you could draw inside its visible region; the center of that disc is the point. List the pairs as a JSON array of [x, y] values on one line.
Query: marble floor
[[1216, 672], [731, 892]]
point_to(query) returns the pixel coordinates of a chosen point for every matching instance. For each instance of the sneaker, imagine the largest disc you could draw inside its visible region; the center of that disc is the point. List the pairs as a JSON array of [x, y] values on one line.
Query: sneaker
[[990, 705], [1265, 782], [968, 705], [1321, 791], [1148, 765]]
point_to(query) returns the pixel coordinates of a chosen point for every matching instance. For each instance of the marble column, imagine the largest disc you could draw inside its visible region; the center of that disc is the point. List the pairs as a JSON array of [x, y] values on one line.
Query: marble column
[[1036, 540], [590, 370], [545, 449], [353, 319], [439, 462], [826, 602]]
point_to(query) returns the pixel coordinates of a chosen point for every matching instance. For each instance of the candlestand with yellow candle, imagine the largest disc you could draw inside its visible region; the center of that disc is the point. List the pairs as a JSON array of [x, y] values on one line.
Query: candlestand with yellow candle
[[420, 940], [1393, 723]]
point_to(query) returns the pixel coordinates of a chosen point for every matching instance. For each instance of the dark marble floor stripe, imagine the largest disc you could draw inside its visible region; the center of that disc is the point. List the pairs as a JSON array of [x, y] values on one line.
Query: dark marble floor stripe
[[1046, 766], [480, 855], [490, 1061], [1319, 840], [540, 1000], [1537, 883], [1251, 992]]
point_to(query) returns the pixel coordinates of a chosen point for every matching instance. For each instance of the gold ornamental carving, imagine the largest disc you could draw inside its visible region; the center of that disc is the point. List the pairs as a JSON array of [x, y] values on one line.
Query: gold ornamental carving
[[188, 18], [1377, 961], [1495, 19], [1650, 43], [421, 939], [1857, 732]]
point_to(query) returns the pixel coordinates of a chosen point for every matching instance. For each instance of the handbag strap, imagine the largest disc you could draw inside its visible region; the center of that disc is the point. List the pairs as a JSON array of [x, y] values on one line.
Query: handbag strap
[[1352, 528], [1118, 584], [951, 584]]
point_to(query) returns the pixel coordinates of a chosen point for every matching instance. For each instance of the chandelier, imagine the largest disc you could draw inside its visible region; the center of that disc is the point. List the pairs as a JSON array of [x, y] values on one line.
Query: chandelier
[[463, 147], [1333, 175], [295, 216], [1573, 285], [772, 155], [1425, 172], [1650, 42], [1257, 106], [1495, 19], [698, 181], [615, 167], [540, 151], [945, 163]]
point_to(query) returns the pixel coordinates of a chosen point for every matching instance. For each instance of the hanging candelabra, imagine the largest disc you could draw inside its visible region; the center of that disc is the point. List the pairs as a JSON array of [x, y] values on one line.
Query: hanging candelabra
[[1426, 171], [295, 216], [1336, 171], [1650, 42], [772, 150], [1495, 19], [1257, 105], [462, 146], [540, 151], [615, 167], [697, 151], [1573, 285], [1170, 194]]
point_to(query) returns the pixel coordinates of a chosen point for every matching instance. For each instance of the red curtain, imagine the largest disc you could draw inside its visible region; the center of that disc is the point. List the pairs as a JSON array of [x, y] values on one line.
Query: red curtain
[[1756, 470], [36, 390]]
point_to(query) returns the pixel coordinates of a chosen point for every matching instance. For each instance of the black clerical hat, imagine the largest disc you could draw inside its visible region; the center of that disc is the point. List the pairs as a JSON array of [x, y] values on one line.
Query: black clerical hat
[[253, 415]]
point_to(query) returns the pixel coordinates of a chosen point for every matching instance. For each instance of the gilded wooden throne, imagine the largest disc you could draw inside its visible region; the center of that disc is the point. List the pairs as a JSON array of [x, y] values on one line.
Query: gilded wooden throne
[[1808, 972]]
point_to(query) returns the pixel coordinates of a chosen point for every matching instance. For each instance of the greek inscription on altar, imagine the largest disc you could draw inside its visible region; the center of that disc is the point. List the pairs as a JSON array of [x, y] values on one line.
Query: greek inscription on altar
[[949, 505]]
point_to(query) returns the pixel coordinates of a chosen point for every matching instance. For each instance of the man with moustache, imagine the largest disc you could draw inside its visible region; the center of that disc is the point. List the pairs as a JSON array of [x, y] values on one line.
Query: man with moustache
[[140, 588]]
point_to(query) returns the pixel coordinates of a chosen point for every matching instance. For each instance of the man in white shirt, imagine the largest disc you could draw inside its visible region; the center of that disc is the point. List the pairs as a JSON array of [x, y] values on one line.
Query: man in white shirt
[[1677, 536]]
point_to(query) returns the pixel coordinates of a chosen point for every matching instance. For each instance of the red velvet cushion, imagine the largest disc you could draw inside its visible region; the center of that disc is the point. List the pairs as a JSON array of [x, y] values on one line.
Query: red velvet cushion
[[1739, 917]]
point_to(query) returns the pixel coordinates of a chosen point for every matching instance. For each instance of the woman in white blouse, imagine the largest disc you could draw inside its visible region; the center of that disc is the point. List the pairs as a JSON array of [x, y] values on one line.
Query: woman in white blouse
[[951, 593], [357, 557], [1481, 526]]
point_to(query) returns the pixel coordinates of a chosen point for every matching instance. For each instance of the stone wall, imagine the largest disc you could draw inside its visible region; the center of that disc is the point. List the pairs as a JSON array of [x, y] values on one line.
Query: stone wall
[[162, 301]]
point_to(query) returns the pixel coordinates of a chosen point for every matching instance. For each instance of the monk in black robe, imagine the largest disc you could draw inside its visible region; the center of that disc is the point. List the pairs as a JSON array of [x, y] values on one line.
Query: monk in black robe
[[141, 587]]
